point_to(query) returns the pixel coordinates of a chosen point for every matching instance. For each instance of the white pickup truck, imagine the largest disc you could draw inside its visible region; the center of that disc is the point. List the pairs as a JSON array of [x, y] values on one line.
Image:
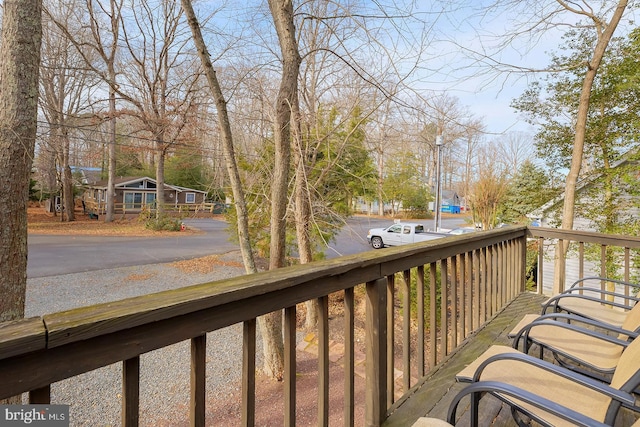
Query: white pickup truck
[[400, 233]]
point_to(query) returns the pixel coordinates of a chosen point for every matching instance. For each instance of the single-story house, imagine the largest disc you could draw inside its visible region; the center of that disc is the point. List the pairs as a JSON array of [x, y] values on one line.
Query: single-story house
[[136, 193]]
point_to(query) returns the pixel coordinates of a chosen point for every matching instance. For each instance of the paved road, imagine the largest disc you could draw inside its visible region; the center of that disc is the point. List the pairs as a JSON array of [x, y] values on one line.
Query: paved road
[[52, 255], [352, 239]]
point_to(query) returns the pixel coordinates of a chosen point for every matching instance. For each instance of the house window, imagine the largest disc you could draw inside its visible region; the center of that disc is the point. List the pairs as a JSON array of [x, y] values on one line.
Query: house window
[[190, 197], [135, 200]]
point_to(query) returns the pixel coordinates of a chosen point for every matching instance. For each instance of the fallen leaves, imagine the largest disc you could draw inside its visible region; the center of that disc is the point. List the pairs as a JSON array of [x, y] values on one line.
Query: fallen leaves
[[204, 265]]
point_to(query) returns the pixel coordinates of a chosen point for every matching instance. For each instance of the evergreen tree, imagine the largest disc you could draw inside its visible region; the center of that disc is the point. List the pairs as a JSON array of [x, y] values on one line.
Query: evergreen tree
[[529, 189], [612, 138]]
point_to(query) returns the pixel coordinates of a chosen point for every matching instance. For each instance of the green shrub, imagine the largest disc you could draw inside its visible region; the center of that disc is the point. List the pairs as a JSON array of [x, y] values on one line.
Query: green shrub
[[164, 223]]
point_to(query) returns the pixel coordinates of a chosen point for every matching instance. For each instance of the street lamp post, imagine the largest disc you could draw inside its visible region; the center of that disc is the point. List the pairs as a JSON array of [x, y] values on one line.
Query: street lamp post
[[437, 210]]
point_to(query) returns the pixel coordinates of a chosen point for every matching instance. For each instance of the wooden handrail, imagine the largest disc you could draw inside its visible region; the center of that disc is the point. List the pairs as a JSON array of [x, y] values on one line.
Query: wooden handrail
[[463, 281]]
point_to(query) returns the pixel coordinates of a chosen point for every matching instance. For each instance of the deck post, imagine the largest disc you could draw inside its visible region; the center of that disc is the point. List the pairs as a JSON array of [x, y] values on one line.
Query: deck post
[[376, 353]]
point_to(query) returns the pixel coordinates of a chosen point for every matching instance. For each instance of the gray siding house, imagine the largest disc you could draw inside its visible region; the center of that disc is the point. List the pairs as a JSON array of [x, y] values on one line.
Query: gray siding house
[[132, 194]]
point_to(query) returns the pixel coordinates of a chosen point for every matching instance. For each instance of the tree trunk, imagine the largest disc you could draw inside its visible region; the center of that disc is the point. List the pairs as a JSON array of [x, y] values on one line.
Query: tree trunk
[[270, 325], [160, 152], [282, 13], [19, 71], [67, 179], [286, 103], [227, 140], [380, 182], [578, 142], [302, 215], [20, 52], [111, 169]]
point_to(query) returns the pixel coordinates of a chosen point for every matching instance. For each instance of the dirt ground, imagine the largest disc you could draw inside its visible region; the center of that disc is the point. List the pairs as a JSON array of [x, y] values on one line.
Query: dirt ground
[[42, 222]]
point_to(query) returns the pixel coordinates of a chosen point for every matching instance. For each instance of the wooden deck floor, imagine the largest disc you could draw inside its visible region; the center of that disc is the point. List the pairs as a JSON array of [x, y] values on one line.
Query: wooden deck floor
[[432, 397]]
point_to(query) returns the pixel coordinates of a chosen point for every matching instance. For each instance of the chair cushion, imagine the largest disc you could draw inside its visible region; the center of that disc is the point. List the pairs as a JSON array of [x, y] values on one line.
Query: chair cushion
[[466, 375], [548, 385], [594, 310], [596, 353]]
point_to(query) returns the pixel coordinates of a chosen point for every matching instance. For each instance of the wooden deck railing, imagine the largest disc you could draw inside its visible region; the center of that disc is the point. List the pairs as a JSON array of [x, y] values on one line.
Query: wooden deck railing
[[589, 254], [131, 208], [447, 287]]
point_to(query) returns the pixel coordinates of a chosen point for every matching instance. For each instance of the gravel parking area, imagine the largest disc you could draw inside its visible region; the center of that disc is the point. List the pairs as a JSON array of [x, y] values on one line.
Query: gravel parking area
[[95, 397]]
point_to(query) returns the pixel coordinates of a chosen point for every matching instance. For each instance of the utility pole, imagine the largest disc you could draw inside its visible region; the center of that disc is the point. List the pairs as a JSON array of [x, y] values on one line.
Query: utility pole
[[437, 211]]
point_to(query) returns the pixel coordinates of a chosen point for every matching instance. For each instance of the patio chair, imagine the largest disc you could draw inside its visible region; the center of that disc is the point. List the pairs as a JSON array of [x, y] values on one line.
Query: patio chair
[[578, 343], [550, 394], [590, 301], [435, 422]]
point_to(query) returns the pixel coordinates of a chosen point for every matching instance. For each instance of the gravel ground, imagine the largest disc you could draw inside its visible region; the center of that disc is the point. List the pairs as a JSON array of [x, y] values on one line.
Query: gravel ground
[[95, 397]]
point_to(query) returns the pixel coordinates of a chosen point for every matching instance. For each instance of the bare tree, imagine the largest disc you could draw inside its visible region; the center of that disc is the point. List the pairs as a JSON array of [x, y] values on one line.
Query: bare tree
[[286, 114], [19, 72], [161, 79], [270, 325], [472, 141], [488, 190], [66, 85], [107, 52], [95, 43], [382, 144], [514, 148]]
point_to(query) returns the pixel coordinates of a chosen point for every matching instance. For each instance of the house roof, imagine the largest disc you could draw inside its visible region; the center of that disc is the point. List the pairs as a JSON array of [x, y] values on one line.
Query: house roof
[[88, 174], [449, 194], [584, 182], [123, 182]]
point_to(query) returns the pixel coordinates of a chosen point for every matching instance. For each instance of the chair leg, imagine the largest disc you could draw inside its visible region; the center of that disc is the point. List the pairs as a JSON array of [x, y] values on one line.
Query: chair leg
[[473, 408], [541, 354], [521, 420]]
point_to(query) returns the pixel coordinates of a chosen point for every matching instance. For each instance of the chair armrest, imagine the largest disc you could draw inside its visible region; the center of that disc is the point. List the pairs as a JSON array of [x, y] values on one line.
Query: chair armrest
[[573, 318], [551, 320], [547, 405], [621, 396], [605, 279], [555, 300], [583, 289]]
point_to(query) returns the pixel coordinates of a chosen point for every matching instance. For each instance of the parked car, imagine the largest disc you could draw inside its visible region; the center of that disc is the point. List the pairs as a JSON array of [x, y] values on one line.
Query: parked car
[[400, 233]]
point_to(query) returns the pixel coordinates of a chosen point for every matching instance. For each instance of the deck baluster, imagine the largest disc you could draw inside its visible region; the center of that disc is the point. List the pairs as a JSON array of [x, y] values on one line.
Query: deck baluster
[[249, 372], [290, 366], [376, 353], [323, 361], [131, 392], [349, 357], [198, 380]]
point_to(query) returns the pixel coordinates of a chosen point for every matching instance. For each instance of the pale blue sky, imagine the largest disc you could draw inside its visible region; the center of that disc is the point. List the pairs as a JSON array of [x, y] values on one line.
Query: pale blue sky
[[453, 27]]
